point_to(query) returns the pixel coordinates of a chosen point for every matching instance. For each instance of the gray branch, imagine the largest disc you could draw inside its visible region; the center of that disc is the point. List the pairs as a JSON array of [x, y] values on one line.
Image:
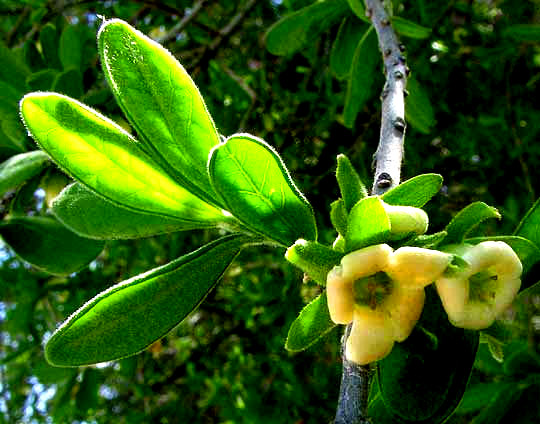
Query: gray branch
[[356, 379]]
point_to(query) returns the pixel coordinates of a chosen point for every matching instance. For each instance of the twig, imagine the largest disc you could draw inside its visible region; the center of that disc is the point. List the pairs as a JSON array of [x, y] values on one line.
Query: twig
[[179, 27], [356, 379]]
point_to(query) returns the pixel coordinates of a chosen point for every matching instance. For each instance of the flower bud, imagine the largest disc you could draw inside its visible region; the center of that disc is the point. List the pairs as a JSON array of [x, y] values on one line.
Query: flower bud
[[406, 220]]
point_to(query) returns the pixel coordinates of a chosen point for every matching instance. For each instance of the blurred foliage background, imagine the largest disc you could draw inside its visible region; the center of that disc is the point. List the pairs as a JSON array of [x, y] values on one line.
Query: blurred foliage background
[[478, 70]]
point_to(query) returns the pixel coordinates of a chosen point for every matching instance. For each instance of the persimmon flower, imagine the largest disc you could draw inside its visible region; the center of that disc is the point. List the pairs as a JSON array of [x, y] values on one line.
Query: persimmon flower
[[476, 293], [382, 293]]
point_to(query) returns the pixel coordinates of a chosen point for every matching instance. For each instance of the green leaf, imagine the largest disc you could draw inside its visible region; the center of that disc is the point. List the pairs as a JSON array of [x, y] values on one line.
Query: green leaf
[[529, 227], [349, 34], [523, 32], [351, 186], [87, 396], [312, 323], [257, 189], [70, 83], [357, 6], [315, 259], [42, 80], [339, 216], [89, 215], [131, 315], [48, 38], [410, 29], [416, 191], [105, 158], [479, 395], [70, 47], [292, 32], [368, 224], [162, 103], [428, 241], [363, 71], [500, 404], [423, 381], [467, 219], [19, 168], [47, 244], [13, 70], [418, 110]]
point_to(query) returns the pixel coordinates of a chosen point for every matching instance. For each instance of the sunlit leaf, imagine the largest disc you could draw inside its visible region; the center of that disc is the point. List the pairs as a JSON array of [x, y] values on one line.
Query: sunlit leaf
[[133, 314], [19, 168], [416, 191], [161, 102], [368, 224], [104, 157], [467, 219], [350, 185], [256, 188]]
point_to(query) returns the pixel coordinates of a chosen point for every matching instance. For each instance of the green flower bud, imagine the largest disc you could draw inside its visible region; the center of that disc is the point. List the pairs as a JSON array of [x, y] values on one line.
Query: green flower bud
[[406, 220]]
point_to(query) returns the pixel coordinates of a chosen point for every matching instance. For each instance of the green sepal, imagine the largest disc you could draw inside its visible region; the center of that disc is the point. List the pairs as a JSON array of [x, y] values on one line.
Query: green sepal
[[45, 243], [19, 168], [256, 187], [315, 259], [351, 186], [104, 157], [416, 191], [339, 216], [162, 103], [422, 381], [368, 224], [89, 215], [131, 315], [467, 219], [293, 31], [312, 324]]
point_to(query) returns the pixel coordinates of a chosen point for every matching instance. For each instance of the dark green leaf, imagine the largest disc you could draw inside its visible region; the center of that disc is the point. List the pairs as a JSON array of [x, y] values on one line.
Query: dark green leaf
[[256, 188], [529, 227], [467, 219], [92, 216], [368, 224], [19, 168], [131, 315], [312, 323], [410, 29], [13, 70], [523, 32], [315, 259], [341, 56], [479, 395], [339, 216], [500, 404], [87, 395], [161, 102], [47, 244], [416, 191], [104, 157], [70, 48], [357, 6], [48, 38], [69, 83], [418, 110], [363, 70], [424, 382], [293, 31], [351, 186], [42, 80]]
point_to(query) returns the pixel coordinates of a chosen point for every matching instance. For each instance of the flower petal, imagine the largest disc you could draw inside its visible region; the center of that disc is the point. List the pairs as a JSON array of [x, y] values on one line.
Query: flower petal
[[371, 337], [496, 254], [404, 307], [339, 294], [366, 261], [415, 267]]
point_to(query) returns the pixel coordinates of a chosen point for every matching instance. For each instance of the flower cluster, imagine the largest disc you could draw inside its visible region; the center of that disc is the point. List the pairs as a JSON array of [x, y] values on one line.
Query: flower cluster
[[381, 291]]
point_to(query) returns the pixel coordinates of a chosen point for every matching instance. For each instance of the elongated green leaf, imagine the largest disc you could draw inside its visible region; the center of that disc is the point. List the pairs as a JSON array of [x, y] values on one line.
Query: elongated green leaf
[[467, 219], [70, 47], [19, 168], [293, 31], [47, 244], [529, 227], [70, 83], [363, 71], [351, 186], [341, 56], [500, 404], [101, 155], [13, 70], [94, 217], [523, 32], [42, 80], [422, 381], [416, 191], [410, 29], [161, 102], [368, 224], [131, 315], [479, 395], [312, 323], [257, 189], [357, 6], [48, 38], [418, 110]]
